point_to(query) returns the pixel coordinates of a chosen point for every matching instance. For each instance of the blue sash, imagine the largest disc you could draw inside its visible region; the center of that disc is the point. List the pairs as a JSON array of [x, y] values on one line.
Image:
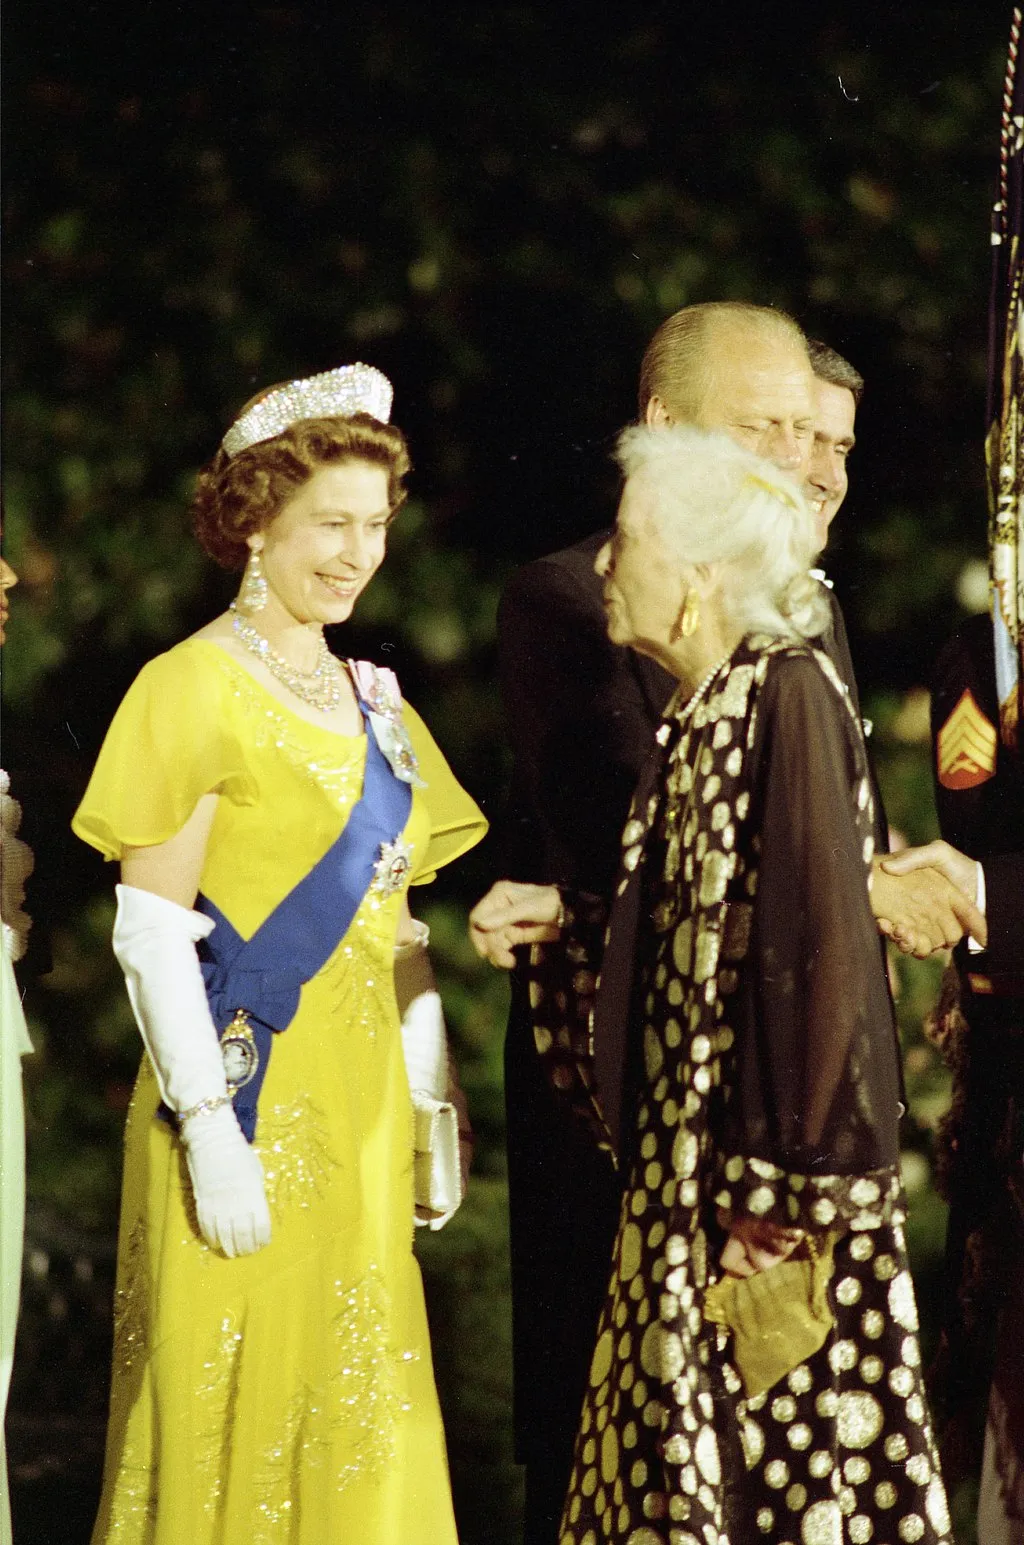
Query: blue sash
[[264, 976]]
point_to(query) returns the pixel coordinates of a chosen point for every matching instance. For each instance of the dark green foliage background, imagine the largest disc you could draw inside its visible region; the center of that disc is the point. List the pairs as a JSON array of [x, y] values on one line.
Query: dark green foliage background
[[496, 204]]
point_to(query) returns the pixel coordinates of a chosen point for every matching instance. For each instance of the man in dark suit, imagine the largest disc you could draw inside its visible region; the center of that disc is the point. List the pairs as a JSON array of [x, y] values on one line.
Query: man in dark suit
[[581, 715]]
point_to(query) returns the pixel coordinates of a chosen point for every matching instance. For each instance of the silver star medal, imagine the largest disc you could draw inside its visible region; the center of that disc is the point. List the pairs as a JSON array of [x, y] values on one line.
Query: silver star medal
[[392, 868]]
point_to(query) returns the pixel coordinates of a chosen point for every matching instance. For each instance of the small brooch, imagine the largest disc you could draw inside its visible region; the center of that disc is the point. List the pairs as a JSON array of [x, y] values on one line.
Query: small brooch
[[378, 688], [392, 868], [239, 1051]]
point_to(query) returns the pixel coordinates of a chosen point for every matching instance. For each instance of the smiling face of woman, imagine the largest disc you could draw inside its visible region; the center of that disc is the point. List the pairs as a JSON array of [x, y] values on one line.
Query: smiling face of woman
[[325, 545]]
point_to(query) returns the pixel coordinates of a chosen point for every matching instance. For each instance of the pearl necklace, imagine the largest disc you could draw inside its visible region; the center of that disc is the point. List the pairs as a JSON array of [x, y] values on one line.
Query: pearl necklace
[[320, 687], [683, 715], [691, 702]]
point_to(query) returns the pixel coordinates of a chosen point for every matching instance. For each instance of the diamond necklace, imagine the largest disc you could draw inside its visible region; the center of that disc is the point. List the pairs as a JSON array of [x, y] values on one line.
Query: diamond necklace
[[320, 687]]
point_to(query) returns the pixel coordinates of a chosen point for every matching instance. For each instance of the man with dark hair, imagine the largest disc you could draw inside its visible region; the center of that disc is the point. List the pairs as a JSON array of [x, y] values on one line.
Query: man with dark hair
[[581, 715], [830, 366], [838, 389]]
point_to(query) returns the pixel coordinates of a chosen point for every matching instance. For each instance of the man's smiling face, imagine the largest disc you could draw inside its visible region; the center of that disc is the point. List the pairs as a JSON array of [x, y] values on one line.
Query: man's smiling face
[[827, 481]]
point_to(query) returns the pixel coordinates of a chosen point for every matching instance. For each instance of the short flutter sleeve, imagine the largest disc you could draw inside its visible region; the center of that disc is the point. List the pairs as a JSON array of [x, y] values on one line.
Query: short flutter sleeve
[[456, 821], [170, 742]]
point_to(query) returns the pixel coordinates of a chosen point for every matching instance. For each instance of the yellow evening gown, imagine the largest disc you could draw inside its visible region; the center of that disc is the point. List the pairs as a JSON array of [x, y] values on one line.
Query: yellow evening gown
[[286, 1397]]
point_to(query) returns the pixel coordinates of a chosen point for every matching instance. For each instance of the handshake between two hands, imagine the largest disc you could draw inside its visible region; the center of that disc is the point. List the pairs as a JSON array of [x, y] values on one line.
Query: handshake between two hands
[[924, 900]]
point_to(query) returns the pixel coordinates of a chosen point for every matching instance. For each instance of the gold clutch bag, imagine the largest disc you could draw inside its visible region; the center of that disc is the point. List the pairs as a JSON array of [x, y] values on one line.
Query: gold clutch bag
[[778, 1317]]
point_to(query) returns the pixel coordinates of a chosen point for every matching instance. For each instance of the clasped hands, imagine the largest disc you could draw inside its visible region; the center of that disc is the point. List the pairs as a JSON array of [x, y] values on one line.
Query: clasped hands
[[755, 1245], [923, 899]]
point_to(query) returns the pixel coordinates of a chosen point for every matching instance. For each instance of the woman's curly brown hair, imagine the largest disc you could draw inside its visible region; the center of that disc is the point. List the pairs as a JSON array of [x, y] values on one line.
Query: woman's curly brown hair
[[238, 495]]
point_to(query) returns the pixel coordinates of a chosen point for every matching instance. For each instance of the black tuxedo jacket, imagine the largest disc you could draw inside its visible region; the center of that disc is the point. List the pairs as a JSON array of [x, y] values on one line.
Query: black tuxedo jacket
[[580, 717]]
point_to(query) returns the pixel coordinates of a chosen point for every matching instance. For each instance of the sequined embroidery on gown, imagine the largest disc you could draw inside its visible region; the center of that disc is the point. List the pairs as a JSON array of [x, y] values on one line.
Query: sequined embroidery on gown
[[286, 1396]]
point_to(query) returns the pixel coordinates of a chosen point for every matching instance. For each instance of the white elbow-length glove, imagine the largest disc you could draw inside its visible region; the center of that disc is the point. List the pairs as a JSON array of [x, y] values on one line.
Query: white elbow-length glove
[[154, 941], [444, 1138]]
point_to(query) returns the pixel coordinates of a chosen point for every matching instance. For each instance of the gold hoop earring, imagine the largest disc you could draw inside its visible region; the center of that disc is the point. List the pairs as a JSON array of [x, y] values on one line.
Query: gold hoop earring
[[252, 595], [689, 617]]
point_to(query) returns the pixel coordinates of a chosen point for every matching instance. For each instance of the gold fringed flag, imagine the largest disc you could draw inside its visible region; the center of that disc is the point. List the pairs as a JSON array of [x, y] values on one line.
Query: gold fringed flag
[[1004, 445]]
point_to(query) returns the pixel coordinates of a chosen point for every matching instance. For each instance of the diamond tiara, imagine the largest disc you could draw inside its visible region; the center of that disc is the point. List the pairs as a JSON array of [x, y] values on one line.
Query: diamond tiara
[[334, 394]]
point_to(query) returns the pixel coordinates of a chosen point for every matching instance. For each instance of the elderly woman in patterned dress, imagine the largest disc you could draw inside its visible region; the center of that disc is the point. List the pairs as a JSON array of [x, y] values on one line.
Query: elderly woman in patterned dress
[[740, 1057]]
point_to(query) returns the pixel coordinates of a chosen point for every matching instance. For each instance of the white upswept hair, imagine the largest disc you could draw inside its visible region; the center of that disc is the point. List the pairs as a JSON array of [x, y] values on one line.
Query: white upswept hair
[[713, 502]]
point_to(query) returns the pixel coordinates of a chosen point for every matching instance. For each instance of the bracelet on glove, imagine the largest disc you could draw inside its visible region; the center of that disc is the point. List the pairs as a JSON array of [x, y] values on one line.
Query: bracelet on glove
[[203, 1108]]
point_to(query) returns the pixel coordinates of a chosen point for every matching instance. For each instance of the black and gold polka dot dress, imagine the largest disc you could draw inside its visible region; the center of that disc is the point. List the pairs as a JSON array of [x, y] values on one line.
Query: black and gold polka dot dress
[[760, 1077]]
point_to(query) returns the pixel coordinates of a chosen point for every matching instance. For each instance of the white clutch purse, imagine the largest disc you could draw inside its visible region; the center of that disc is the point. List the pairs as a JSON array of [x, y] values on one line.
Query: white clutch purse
[[437, 1179]]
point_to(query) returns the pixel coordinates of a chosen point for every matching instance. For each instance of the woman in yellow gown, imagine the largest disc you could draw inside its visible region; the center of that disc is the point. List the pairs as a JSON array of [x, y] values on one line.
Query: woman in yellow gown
[[278, 1391]]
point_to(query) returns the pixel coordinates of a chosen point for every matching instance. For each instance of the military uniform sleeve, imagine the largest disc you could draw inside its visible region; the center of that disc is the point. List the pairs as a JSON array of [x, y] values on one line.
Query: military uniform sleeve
[[968, 765], [1004, 912], [979, 789]]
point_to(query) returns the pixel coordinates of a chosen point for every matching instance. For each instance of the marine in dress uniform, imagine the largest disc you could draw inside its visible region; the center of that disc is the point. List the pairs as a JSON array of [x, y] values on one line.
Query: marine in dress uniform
[[980, 799]]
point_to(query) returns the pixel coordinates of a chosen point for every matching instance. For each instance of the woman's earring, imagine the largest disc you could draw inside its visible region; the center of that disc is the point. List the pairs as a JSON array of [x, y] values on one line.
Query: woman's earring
[[688, 621], [252, 596]]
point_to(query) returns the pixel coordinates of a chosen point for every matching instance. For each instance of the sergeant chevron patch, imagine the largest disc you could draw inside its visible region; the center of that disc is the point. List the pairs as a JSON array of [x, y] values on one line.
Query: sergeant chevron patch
[[966, 746]]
